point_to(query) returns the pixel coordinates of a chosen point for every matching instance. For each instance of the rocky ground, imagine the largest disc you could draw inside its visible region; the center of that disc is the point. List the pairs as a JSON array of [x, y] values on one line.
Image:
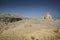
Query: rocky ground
[[28, 29]]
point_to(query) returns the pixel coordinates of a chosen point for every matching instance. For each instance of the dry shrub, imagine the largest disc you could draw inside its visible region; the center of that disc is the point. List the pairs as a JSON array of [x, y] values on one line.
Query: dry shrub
[[43, 35], [31, 30]]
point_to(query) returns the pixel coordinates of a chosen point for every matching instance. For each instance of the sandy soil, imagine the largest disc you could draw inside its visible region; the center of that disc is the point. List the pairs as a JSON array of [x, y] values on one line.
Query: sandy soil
[[30, 30]]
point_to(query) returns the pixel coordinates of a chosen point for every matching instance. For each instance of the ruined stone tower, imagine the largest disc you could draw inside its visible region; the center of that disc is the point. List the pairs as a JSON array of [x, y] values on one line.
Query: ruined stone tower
[[47, 16]]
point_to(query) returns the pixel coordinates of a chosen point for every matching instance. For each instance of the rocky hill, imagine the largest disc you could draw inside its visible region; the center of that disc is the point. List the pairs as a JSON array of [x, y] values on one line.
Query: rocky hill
[[11, 17], [30, 29]]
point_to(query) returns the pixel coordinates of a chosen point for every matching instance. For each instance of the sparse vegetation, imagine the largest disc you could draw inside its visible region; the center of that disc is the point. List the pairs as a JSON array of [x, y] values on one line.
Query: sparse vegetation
[[13, 28]]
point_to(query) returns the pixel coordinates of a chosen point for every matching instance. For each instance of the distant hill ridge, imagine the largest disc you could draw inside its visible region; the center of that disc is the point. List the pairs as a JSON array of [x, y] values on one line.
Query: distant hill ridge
[[11, 17]]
